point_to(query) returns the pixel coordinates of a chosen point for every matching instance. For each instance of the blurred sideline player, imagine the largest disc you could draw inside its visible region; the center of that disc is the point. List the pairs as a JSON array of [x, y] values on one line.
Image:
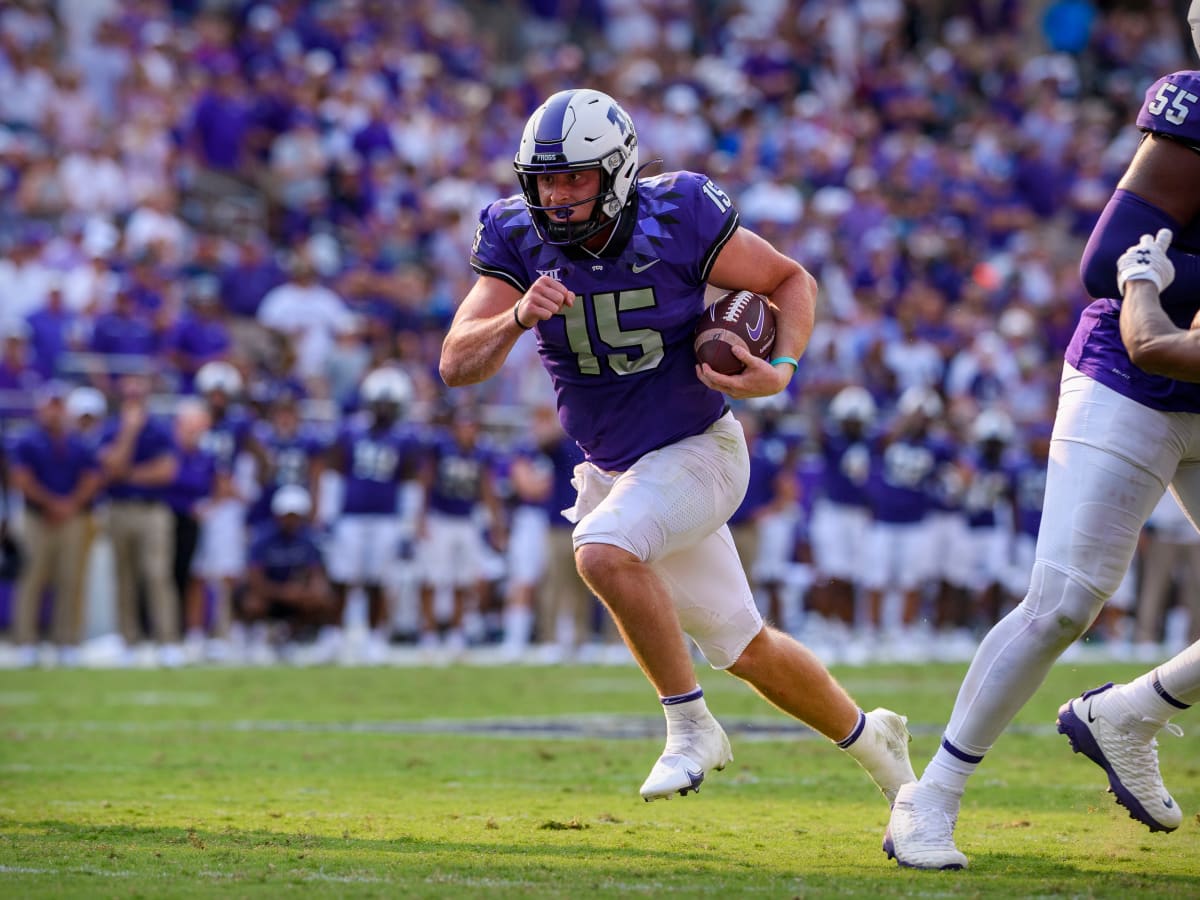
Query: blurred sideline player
[[841, 516], [459, 485], [987, 502], [1125, 430], [899, 551], [189, 495], [566, 606], [220, 561], [764, 525], [611, 271], [286, 579], [531, 475], [373, 454], [290, 453]]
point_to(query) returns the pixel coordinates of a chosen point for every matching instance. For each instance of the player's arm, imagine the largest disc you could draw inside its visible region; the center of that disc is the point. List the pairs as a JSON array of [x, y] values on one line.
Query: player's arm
[[1155, 345], [1158, 190], [750, 263], [489, 321]]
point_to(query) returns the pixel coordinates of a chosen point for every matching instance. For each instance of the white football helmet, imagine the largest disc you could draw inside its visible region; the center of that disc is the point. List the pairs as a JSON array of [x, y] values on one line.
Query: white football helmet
[[855, 403], [219, 376], [992, 425], [573, 131], [923, 400], [387, 385]]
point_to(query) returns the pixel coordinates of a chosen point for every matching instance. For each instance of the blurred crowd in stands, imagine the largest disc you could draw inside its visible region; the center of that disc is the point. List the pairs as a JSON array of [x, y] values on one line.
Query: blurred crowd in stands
[[232, 235]]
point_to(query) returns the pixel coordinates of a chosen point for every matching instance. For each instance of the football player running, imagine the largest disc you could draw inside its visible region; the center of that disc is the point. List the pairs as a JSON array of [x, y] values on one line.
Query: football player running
[[610, 272], [1115, 726], [1126, 429]]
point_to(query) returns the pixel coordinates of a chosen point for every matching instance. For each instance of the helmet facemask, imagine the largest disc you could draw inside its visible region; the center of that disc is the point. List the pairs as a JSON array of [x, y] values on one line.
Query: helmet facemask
[[575, 131]]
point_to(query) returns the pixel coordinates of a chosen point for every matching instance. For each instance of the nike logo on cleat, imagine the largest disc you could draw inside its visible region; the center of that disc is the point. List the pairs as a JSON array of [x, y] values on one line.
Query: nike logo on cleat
[[642, 267], [1168, 803], [1090, 717], [695, 777]]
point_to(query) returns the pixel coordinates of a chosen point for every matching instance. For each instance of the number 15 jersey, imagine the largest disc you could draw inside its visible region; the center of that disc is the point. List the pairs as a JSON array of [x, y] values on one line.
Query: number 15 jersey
[[621, 358]]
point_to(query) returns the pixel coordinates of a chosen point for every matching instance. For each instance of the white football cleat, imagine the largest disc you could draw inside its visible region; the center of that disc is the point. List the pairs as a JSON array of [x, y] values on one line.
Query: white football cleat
[[685, 760], [1102, 726], [920, 834]]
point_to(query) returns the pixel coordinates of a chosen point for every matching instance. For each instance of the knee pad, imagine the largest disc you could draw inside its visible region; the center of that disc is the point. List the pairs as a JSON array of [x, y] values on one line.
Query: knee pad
[[1058, 605]]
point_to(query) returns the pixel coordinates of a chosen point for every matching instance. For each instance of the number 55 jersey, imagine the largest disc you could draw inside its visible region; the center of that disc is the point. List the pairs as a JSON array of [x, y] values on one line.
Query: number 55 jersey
[[621, 357], [1171, 108]]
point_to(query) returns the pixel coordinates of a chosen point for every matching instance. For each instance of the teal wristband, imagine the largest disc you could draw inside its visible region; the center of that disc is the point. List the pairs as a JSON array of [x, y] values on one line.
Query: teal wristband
[[785, 359]]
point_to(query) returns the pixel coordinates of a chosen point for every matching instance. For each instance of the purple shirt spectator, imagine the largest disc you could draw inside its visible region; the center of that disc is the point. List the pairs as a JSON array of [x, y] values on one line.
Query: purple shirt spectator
[[152, 442], [57, 463], [193, 482]]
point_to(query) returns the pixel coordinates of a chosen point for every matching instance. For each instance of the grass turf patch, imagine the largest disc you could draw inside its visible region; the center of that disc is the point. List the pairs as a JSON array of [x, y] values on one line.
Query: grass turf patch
[[523, 782]]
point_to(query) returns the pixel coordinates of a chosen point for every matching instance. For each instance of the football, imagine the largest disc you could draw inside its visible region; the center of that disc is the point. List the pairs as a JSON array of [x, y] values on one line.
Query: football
[[736, 318]]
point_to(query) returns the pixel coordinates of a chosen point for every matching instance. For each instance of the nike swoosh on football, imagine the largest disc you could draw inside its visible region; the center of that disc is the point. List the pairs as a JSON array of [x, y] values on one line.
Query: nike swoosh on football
[[642, 268], [755, 331]]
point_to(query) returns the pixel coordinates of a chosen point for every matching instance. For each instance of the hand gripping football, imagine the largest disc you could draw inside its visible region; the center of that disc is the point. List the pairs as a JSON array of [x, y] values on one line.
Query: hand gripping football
[[738, 318]]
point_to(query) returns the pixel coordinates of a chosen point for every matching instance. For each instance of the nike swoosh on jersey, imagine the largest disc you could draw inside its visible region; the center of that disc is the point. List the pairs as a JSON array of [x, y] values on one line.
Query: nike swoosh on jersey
[[642, 268]]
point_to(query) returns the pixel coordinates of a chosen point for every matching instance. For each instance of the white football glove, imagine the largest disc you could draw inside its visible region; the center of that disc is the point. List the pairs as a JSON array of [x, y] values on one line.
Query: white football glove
[[1147, 261]]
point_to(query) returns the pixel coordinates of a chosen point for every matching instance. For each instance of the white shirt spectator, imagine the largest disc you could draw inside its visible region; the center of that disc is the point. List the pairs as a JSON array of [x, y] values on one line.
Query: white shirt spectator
[[154, 225], [23, 289], [90, 287], [25, 95], [770, 200], [94, 183], [914, 362], [311, 314]]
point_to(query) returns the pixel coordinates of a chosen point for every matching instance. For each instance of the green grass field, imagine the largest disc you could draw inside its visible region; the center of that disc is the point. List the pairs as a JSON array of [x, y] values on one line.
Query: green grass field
[[522, 782]]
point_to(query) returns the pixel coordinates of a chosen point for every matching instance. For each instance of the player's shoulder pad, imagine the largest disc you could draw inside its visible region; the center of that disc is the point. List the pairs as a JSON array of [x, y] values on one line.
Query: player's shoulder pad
[[1172, 106], [504, 214]]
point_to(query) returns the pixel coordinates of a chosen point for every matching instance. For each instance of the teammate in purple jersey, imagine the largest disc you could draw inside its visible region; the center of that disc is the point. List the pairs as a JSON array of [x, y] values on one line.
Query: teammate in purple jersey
[[1121, 436], [1115, 726], [374, 455], [841, 515], [290, 452], [610, 271], [459, 477]]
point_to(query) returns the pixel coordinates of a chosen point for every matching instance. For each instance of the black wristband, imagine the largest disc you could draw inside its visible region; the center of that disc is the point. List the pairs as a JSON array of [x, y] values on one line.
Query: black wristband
[[517, 318]]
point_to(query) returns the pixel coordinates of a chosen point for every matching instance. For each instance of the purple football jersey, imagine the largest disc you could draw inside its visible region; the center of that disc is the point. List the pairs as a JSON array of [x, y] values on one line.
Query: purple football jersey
[[621, 358], [989, 493], [847, 464], [1171, 107], [291, 457], [226, 438], [458, 475], [376, 461], [901, 481], [1030, 491]]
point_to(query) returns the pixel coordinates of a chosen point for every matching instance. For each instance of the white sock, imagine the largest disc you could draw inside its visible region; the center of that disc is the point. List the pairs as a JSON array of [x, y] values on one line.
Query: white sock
[[1167, 690], [518, 624], [949, 770], [685, 711], [850, 741], [1180, 676]]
